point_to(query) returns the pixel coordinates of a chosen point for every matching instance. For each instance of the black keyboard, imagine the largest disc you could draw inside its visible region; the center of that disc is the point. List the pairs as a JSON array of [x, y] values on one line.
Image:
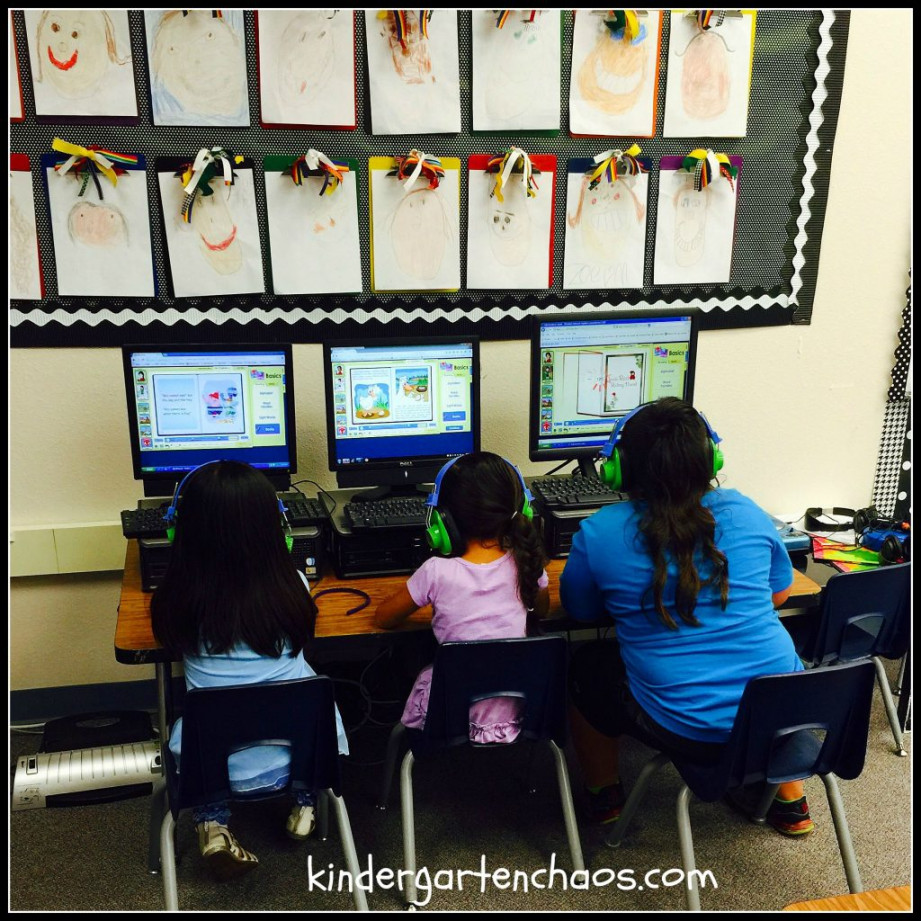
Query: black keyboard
[[386, 513], [144, 522], [572, 492], [303, 512]]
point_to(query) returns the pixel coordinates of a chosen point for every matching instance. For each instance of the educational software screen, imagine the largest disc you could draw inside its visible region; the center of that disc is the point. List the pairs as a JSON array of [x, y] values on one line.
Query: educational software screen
[[191, 407], [592, 372], [401, 401]]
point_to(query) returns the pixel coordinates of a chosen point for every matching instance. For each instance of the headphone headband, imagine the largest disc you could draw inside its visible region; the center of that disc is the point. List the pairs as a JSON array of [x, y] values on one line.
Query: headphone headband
[[608, 449], [434, 495]]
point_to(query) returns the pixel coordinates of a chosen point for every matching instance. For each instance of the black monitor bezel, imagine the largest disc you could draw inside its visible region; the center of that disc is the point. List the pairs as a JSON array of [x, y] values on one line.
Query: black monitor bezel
[[578, 454], [160, 484], [387, 472]]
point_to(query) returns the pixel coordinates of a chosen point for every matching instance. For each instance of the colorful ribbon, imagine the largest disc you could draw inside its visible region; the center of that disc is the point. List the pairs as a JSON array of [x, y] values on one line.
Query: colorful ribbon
[[502, 18], [625, 24], [196, 177], [315, 163], [418, 164], [87, 162], [613, 162], [402, 27], [707, 166], [513, 160], [708, 19]]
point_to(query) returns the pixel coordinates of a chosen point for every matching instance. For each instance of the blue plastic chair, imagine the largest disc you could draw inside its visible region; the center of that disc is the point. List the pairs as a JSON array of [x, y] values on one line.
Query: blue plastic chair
[[866, 614], [774, 741], [530, 668], [220, 721]]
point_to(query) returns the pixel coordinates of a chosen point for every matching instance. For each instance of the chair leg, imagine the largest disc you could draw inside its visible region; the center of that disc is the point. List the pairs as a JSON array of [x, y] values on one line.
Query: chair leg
[[348, 848], [842, 830], [692, 894], [569, 812], [168, 862], [409, 828], [883, 682], [323, 815], [394, 743], [619, 829], [158, 809], [759, 816]]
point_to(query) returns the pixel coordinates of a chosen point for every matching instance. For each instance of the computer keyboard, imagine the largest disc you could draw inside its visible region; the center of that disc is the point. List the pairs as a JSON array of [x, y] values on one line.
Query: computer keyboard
[[572, 492], [404, 512], [303, 512]]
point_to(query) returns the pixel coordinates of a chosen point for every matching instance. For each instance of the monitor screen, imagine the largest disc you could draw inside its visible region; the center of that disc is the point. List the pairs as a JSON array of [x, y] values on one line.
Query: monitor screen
[[398, 409], [188, 404], [588, 371]]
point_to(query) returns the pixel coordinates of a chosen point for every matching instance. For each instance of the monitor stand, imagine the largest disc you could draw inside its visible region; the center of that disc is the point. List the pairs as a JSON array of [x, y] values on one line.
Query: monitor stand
[[390, 492], [586, 468]]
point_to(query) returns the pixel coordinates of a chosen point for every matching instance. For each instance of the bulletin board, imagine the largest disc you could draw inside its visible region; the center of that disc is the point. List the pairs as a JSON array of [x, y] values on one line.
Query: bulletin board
[[797, 78]]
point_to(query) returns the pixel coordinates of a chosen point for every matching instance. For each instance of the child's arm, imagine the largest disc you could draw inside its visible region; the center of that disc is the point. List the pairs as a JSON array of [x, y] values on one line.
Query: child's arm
[[395, 609]]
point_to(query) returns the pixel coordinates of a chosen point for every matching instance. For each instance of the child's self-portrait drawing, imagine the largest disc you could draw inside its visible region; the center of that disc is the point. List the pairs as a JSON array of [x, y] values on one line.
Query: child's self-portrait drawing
[[81, 62], [197, 67], [97, 225], [25, 271], [213, 221]]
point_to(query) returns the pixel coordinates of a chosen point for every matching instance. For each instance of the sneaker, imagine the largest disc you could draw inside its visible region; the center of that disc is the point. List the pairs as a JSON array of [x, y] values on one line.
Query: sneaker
[[605, 806], [301, 822], [791, 818], [223, 853]]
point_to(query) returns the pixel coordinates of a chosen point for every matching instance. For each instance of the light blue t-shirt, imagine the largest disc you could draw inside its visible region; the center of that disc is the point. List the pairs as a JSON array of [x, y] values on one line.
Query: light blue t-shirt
[[689, 680], [262, 766]]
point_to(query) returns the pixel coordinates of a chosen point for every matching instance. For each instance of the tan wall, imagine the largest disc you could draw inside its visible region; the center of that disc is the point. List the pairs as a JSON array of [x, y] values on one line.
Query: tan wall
[[800, 408]]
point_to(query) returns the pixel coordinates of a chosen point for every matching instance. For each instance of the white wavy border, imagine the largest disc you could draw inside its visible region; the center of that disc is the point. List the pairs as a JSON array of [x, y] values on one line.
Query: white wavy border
[[292, 315]]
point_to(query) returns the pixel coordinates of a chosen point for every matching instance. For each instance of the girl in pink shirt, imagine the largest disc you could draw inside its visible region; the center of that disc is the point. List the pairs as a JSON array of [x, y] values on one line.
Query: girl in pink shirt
[[492, 581]]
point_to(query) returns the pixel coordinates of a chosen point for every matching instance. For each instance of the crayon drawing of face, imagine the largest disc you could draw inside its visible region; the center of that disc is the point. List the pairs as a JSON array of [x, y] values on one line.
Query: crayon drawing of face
[[510, 225], [690, 225], [413, 63], [97, 225], [611, 217], [197, 59], [612, 77], [419, 233], [74, 49], [323, 213], [705, 76], [306, 51], [212, 220], [515, 68]]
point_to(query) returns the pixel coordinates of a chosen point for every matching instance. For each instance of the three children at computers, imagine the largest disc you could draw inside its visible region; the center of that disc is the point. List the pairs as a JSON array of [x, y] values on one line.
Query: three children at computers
[[689, 573]]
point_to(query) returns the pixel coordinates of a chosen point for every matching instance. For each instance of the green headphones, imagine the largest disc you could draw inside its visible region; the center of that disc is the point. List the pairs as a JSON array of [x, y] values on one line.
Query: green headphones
[[613, 466], [171, 515], [440, 530]]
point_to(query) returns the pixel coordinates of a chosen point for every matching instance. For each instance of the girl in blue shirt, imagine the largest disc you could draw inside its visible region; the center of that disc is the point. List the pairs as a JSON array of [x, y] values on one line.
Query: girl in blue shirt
[[690, 574], [237, 611]]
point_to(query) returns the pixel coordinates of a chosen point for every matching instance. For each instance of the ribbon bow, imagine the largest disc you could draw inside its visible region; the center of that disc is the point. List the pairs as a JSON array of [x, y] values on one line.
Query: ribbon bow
[[86, 162], [708, 19], [196, 177], [420, 164], [612, 162], [625, 24], [707, 166], [402, 27], [513, 160], [315, 163]]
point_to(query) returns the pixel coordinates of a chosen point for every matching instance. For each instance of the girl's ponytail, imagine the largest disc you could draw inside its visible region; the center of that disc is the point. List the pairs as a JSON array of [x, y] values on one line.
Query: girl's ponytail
[[530, 559]]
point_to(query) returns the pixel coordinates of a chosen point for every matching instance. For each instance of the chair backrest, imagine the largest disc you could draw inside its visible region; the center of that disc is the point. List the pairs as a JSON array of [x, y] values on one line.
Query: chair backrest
[[531, 668], [776, 734], [864, 614], [218, 722]]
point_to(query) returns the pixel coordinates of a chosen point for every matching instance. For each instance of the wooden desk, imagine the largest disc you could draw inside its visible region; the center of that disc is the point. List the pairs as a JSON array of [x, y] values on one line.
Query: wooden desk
[[895, 899]]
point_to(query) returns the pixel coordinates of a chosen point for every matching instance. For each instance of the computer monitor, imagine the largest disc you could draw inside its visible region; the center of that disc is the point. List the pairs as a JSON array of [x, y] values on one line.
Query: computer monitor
[[589, 370], [398, 409], [188, 404]]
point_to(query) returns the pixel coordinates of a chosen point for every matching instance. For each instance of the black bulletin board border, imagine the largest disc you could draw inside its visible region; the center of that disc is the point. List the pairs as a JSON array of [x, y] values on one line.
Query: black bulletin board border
[[797, 82]]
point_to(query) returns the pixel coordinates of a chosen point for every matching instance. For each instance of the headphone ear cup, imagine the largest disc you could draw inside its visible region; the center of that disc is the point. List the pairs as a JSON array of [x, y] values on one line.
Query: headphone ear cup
[[289, 541], [717, 458], [171, 533], [527, 511], [611, 472], [439, 539]]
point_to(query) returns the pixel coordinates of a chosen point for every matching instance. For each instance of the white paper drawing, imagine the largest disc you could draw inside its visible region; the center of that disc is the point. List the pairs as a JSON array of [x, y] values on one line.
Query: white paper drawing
[[709, 74], [694, 230], [414, 84], [613, 87], [217, 251], [101, 246], [313, 237], [508, 241], [17, 114], [25, 271], [605, 232], [307, 67], [197, 62], [81, 63], [516, 71], [415, 236]]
